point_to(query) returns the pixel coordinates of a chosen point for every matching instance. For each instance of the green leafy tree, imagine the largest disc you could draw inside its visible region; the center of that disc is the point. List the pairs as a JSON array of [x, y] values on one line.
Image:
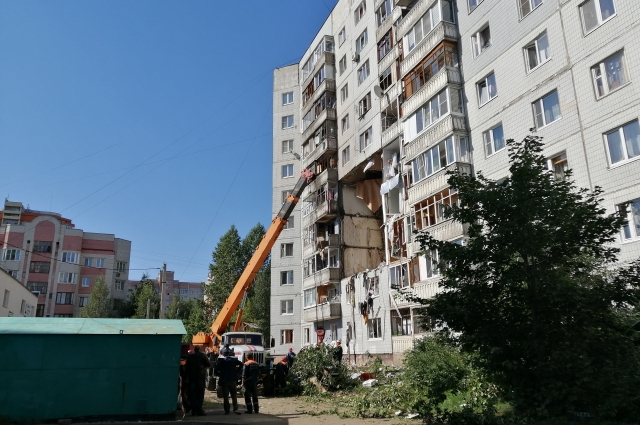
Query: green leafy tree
[[99, 304], [191, 312], [179, 308], [536, 292], [146, 291]]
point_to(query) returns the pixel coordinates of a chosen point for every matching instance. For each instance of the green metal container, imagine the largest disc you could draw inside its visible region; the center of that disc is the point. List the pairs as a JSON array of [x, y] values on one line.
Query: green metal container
[[54, 368]]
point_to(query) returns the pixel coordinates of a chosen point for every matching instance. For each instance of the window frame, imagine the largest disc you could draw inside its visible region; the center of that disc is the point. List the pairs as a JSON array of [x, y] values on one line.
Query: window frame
[[68, 277], [342, 36], [541, 100], [364, 69], [485, 81], [7, 253], [83, 301], [534, 44], [284, 334], [620, 130], [284, 307], [365, 139], [342, 65], [70, 257], [471, 9], [489, 132], [362, 41], [375, 325], [287, 171], [287, 98], [67, 299], [346, 153], [344, 123], [100, 264], [531, 7], [475, 41], [285, 122], [287, 146], [601, 66], [290, 224], [598, 15], [631, 225], [360, 11], [344, 92], [86, 279], [286, 277], [284, 249]]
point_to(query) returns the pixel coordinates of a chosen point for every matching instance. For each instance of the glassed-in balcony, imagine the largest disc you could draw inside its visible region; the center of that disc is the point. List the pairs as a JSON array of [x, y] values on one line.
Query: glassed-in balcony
[[322, 143], [319, 236], [326, 311]]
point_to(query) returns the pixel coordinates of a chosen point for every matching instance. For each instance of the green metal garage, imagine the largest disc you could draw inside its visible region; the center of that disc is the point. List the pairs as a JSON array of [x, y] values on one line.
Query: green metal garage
[[54, 368]]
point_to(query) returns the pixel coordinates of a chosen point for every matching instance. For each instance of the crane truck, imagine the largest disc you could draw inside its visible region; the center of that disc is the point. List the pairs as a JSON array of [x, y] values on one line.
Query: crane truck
[[244, 342]]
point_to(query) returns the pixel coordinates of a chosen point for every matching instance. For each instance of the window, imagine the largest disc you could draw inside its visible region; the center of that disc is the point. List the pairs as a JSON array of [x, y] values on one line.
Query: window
[[39, 267], [609, 75], [481, 41], [289, 224], [286, 250], [375, 328], [100, 264], [22, 306], [86, 282], [385, 79], [84, 301], [119, 285], [40, 246], [40, 310], [364, 105], [325, 45], [398, 276], [623, 143], [546, 109], [342, 65], [433, 267], [344, 123], [366, 138], [287, 121], [360, 11], [537, 52], [526, 6], [13, 273], [361, 41], [286, 307], [431, 211], [10, 254], [64, 298], [287, 146], [183, 291], [385, 44], [307, 336], [630, 211], [444, 55], [40, 287], [487, 89], [559, 166], [286, 277], [88, 261], [383, 12], [285, 193], [5, 299], [344, 92], [448, 151], [473, 4], [493, 140], [342, 36], [346, 155], [70, 257], [432, 111], [287, 171], [286, 336], [428, 22], [595, 13], [287, 98], [363, 72], [67, 277], [310, 297]]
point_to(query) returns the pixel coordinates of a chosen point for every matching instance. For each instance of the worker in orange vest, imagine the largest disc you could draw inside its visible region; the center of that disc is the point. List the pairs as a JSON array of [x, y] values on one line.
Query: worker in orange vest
[[281, 374], [250, 382]]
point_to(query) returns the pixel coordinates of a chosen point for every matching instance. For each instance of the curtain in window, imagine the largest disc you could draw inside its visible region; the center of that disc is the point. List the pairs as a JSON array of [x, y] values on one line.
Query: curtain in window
[[635, 214], [615, 146], [632, 139]]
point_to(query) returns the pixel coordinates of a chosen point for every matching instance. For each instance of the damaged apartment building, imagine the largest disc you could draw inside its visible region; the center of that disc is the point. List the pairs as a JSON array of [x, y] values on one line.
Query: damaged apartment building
[[379, 108]]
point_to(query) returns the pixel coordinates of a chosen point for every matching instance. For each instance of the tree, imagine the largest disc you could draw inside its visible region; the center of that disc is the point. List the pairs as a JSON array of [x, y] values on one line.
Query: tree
[[536, 291], [99, 304], [191, 312], [179, 308], [147, 294]]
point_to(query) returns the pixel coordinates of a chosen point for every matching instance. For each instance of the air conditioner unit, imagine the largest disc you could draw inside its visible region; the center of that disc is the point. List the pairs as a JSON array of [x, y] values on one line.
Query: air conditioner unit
[[356, 57]]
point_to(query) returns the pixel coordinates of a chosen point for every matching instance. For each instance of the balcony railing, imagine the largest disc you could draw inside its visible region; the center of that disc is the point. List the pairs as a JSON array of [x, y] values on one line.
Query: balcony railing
[[391, 132], [443, 231], [411, 18], [326, 85], [312, 126], [444, 30], [320, 242], [323, 212], [390, 95], [446, 75], [406, 342], [434, 134], [434, 183], [320, 312], [424, 290], [322, 277], [328, 145]]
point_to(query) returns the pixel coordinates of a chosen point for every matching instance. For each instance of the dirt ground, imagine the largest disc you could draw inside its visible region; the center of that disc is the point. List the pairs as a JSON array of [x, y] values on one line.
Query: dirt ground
[[284, 411]]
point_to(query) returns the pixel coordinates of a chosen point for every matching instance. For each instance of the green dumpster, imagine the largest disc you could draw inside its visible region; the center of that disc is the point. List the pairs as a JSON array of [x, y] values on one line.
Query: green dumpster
[[55, 368]]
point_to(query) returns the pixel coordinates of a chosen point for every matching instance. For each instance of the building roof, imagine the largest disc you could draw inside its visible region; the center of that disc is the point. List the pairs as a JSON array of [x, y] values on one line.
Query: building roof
[[56, 325]]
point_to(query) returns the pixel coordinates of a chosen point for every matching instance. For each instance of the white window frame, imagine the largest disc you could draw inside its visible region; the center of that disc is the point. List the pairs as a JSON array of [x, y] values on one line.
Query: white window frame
[[631, 211], [290, 224], [374, 326], [489, 141], [284, 249], [533, 5], [625, 151], [484, 84], [342, 36], [286, 171], [119, 285], [601, 67], [346, 155], [344, 92], [344, 123], [432, 264], [287, 122], [287, 98], [478, 46], [88, 261], [312, 299], [362, 41], [473, 4], [364, 105], [342, 65], [100, 263], [86, 282], [360, 11], [535, 44], [384, 12], [363, 72], [83, 301], [59, 298], [283, 336], [287, 146], [366, 139], [558, 165], [599, 18], [540, 102], [286, 277], [70, 257], [11, 254], [399, 276], [67, 277], [286, 307]]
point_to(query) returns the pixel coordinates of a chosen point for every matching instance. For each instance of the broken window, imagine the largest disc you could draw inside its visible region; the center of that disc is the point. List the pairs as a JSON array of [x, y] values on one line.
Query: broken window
[[431, 211], [443, 55]]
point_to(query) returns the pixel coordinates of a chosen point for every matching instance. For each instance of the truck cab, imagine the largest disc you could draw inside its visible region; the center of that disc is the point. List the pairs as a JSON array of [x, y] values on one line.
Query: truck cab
[[245, 342]]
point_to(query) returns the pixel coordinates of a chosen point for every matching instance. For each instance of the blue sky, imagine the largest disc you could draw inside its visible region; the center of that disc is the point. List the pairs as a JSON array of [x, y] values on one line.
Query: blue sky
[[147, 119]]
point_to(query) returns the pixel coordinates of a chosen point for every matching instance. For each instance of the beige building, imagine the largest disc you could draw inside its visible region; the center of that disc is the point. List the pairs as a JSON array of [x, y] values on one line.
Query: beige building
[[16, 299]]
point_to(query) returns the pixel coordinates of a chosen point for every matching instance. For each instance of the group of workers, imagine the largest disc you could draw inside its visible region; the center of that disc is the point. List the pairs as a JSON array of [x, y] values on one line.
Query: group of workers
[[226, 368]]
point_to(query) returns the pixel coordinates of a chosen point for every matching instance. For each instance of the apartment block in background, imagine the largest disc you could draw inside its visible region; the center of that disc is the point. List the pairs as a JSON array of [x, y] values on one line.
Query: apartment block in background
[[17, 301], [51, 258]]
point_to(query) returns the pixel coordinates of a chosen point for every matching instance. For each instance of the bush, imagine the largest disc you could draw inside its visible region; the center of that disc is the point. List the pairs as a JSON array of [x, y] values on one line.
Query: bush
[[317, 364]]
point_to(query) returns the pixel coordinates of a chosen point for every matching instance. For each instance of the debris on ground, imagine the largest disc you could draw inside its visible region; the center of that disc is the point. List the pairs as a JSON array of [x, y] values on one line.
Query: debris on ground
[[370, 383]]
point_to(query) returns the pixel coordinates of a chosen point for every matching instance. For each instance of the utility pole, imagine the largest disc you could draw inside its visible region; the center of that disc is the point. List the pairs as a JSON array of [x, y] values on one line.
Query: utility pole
[[163, 281], [148, 306]]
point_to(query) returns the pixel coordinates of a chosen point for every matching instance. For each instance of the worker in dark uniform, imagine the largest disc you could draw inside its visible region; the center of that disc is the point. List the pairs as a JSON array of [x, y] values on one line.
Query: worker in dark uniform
[[227, 369], [337, 352], [281, 374], [197, 365], [250, 382]]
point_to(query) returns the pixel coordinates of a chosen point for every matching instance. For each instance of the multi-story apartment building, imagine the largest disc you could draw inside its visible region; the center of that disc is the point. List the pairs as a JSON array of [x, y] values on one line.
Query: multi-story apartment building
[[394, 92], [17, 300], [47, 254]]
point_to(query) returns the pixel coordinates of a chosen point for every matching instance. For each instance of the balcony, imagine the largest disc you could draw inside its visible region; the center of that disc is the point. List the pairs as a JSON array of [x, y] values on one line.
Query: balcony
[[391, 132], [412, 17], [327, 114], [325, 85], [323, 212], [434, 183], [329, 175], [434, 134], [444, 231], [331, 241], [405, 342], [320, 312], [322, 277], [390, 95], [446, 75], [389, 58], [443, 31], [326, 57], [328, 145], [424, 290]]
